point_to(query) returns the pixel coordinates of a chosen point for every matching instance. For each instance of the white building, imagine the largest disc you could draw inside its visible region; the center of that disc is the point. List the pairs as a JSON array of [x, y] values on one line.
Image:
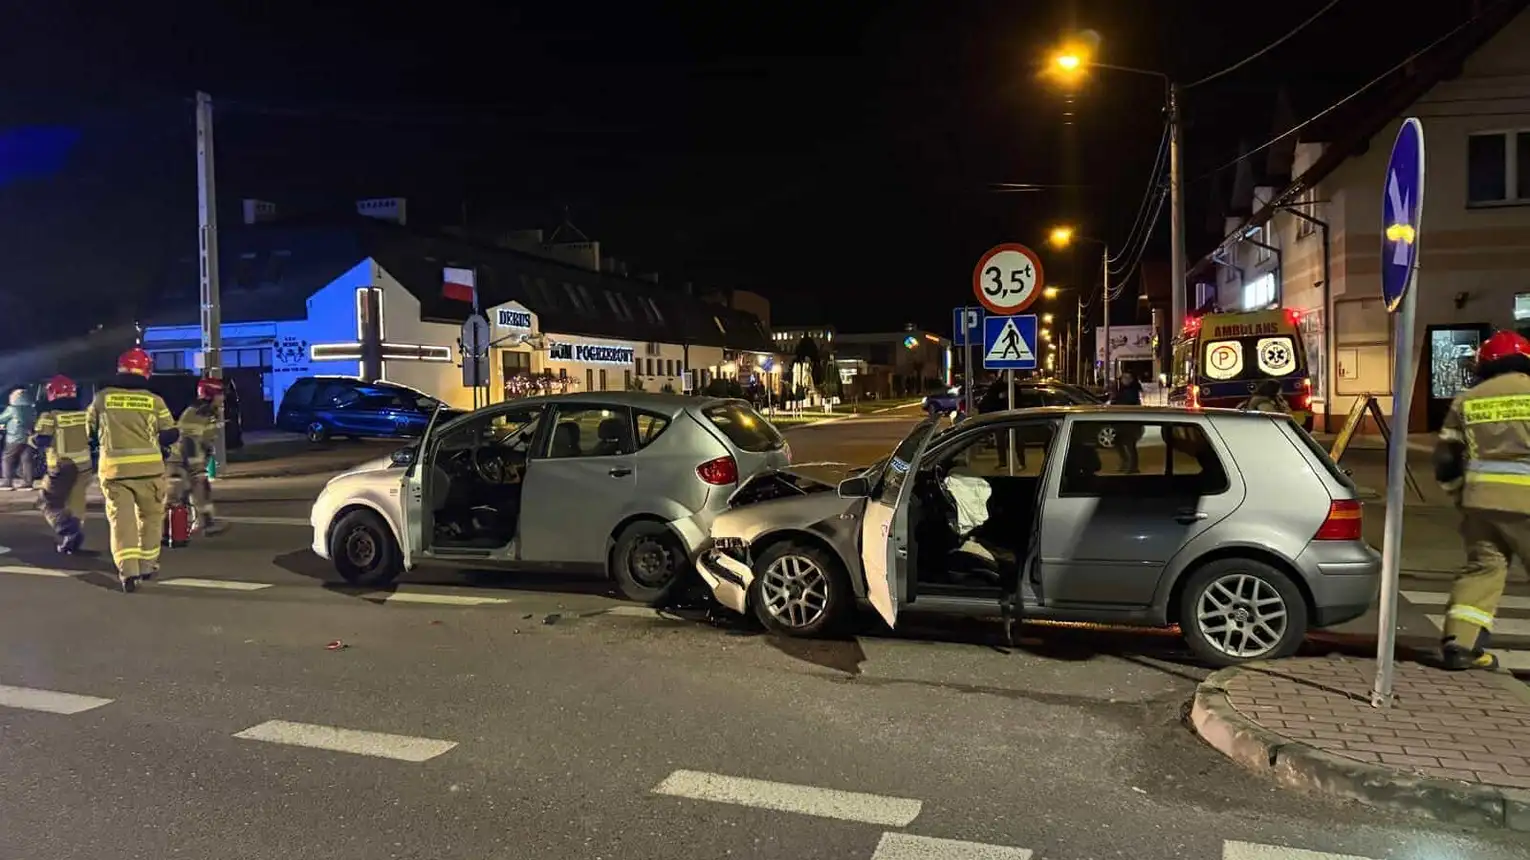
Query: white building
[[1472, 94], [295, 301]]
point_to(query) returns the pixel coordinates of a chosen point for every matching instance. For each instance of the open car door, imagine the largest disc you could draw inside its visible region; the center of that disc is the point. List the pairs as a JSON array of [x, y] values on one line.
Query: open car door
[[412, 493], [885, 533]]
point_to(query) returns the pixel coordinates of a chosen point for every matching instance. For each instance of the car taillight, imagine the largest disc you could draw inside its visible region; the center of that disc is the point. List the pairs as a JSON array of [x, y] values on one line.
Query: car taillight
[[719, 472], [1195, 397], [1343, 522], [1304, 397]]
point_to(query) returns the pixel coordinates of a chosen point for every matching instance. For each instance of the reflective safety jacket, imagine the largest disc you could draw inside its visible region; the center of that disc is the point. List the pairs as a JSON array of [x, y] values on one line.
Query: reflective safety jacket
[[199, 429], [128, 423], [1491, 422], [67, 435]]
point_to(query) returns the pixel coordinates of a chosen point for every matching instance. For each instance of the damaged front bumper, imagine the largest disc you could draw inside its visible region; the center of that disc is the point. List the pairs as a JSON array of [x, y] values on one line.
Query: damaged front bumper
[[725, 569]]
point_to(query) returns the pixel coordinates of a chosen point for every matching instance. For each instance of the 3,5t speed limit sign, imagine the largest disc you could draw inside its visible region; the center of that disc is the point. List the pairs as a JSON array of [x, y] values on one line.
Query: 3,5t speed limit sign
[[1008, 279]]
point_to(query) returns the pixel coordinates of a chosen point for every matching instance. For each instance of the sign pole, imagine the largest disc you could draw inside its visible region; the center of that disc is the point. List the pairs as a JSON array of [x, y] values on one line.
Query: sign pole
[[1402, 210], [1009, 403]]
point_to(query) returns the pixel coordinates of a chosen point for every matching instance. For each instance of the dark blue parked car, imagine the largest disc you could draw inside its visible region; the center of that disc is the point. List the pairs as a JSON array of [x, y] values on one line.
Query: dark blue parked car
[[324, 406]]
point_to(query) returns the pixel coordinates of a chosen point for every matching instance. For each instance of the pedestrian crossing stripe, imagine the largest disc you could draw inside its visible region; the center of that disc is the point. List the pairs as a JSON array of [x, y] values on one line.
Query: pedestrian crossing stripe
[[1010, 345]]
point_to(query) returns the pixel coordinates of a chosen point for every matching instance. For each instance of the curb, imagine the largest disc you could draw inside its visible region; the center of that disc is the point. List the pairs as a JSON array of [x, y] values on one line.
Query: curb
[[1295, 765]]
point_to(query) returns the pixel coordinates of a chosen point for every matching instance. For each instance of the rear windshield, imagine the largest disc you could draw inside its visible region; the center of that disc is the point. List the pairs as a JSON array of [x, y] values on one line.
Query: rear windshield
[[1321, 454], [744, 427], [1241, 359]]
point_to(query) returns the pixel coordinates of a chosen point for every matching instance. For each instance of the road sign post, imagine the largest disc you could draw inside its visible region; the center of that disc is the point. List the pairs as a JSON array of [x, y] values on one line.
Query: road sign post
[[475, 355], [1009, 344], [1402, 204]]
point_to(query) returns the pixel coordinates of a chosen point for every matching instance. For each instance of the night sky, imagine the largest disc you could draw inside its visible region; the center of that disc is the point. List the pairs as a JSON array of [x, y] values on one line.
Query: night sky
[[835, 156]]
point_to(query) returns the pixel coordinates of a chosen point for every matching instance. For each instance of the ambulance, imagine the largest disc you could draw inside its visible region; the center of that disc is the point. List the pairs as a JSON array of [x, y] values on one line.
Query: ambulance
[[1219, 359]]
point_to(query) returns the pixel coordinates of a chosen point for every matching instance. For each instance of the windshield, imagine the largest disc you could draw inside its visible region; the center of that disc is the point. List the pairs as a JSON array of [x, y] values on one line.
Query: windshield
[[1251, 358]]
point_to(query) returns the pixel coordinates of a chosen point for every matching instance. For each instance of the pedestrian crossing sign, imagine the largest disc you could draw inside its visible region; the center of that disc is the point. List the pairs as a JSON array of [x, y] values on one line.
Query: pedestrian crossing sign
[[1009, 342]]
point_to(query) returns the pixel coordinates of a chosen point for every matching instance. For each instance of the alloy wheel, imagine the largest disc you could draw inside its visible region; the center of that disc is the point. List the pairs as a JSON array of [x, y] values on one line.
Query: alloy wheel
[[795, 591], [1242, 615]]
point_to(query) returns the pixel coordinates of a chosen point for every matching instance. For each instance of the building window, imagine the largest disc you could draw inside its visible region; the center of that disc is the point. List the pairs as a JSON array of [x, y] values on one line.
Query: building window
[[1306, 205], [650, 368], [1261, 250], [175, 360], [626, 380], [1259, 293], [669, 367], [1522, 309], [603, 380], [1493, 168], [589, 379]]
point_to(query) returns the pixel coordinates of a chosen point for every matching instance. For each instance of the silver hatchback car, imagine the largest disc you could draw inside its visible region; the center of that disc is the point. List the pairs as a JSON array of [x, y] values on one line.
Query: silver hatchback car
[[1236, 526], [625, 482]]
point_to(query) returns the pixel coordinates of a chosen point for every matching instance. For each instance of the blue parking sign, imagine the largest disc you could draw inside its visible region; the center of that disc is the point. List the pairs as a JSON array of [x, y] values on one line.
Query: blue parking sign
[[966, 326]]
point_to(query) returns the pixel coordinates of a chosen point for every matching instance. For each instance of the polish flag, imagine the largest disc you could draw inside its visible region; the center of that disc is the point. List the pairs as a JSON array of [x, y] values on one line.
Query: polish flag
[[459, 284]]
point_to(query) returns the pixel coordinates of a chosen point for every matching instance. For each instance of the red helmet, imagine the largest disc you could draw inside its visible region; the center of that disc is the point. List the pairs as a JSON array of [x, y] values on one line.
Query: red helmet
[[1502, 345], [61, 386], [209, 387], [135, 361]]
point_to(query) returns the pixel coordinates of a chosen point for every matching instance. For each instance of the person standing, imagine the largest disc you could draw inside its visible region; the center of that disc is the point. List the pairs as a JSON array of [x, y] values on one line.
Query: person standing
[[63, 430], [133, 426], [1482, 460], [1128, 393], [199, 432], [18, 418]]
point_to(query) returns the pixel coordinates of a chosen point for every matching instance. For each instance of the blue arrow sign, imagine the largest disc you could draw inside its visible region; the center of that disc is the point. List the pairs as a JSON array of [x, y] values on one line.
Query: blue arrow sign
[[1402, 205], [966, 326], [1009, 343]]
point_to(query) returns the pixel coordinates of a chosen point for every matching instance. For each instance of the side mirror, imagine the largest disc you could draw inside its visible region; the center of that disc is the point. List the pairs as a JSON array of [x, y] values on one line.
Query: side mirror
[[858, 487], [403, 457]]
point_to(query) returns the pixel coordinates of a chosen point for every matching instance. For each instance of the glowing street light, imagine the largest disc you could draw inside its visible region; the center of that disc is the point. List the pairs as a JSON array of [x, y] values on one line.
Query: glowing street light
[[1050, 292], [1061, 237], [1046, 318], [1046, 334], [1068, 61]]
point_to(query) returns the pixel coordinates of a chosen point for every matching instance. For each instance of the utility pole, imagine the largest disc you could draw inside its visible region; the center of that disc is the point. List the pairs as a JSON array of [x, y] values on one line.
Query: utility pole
[[1176, 216], [1078, 341], [207, 243], [1105, 296]]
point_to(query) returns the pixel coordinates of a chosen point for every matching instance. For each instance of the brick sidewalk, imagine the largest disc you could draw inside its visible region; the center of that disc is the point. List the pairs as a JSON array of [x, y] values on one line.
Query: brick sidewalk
[[1455, 746]]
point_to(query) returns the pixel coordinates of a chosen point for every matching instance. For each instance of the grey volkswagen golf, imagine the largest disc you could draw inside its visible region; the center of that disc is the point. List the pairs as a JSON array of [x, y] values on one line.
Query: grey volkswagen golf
[[1236, 526]]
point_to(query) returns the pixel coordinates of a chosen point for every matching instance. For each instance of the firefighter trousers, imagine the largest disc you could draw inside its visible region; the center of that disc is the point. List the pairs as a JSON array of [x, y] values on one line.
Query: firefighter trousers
[[189, 481], [63, 497], [1492, 538], [135, 511]]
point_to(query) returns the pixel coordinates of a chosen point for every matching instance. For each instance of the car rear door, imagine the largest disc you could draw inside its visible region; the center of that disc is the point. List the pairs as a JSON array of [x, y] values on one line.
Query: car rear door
[[579, 485], [887, 551]]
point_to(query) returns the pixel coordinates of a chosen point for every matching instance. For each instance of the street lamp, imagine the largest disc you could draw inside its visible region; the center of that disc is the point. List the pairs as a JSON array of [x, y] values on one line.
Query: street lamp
[[1046, 318], [1068, 64], [1062, 238]]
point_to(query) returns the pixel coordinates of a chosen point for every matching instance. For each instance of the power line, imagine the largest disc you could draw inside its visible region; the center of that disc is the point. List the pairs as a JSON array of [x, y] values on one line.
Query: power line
[[1155, 176], [1265, 50], [1343, 101], [1125, 279]]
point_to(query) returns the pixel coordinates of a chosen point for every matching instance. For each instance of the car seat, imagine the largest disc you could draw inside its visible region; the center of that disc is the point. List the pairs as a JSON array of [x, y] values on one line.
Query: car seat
[[615, 436], [565, 440]]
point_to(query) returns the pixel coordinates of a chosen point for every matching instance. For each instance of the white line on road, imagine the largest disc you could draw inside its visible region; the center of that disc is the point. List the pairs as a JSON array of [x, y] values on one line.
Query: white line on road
[[226, 584], [1514, 661], [786, 797], [377, 744], [906, 846], [28, 570], [1442, 598], [433, 598], [268, 521], [50, 701], [1501, 626], [1251, 851]]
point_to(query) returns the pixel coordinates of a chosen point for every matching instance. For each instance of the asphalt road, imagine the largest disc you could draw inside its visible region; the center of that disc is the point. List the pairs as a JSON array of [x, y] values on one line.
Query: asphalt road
[[508, 716]]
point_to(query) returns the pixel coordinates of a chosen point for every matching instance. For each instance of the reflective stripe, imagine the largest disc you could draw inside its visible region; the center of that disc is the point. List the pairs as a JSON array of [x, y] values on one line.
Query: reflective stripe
[[1485, 410], [1499, 467], [71, 419], [1492, 478], [127, 553], [136, 402], [149, 554], [129, 459], [1471, 615]]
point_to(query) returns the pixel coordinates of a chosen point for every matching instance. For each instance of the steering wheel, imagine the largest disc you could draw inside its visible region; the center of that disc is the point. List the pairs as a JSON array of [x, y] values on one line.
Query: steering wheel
[[490, 469]]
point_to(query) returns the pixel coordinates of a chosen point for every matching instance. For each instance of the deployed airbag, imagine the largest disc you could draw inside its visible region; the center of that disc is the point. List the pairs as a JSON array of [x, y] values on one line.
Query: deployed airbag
[[971, 497]]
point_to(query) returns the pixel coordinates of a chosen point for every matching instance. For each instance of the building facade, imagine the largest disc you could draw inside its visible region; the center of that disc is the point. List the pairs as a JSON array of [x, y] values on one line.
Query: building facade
[[297, 301], [1314, 244]]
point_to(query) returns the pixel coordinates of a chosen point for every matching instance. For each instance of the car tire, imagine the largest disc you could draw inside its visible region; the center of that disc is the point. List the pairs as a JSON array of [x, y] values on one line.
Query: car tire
[[648, 562], [318, 433], [809, 562], [1107, 437], [364, 550], [1244, 586]]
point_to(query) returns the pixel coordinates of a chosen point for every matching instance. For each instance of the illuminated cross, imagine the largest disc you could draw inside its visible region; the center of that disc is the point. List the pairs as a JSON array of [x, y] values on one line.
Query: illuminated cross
[[371, 347]]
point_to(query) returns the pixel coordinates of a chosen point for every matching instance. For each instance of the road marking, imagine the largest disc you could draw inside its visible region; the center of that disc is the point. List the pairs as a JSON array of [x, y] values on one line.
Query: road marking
[[52, 702], [633, 612], [27, 570], [376, 744], [1442, 598], [1252, 851], [1514, 661], [906, 846], [268, 521], [1501, 626], [226, 584], [433, 598], [786, 797]]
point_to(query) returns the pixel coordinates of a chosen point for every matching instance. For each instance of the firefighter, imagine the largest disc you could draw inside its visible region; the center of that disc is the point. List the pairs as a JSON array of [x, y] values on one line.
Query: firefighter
[[62, 430], [199, 429], [1483, 461], [133, 426]]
